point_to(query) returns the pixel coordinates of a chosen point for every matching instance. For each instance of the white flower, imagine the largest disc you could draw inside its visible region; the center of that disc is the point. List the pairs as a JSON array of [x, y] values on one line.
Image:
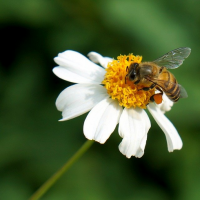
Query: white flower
[[105, 112]]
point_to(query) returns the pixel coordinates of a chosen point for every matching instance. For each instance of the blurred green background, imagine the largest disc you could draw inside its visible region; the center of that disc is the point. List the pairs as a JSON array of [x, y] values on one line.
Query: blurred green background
[[33, 144]]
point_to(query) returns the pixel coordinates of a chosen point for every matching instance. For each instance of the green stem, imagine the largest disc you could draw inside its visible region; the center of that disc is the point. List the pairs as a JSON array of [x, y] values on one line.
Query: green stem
[[42, 190]]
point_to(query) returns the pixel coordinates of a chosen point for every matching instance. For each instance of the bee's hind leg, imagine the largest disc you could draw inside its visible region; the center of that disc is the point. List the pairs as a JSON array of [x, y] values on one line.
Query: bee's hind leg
[[161, 92], [157, 98]]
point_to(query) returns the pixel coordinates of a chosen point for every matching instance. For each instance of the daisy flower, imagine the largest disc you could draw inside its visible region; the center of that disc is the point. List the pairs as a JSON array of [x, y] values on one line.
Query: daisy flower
[[103, 90]]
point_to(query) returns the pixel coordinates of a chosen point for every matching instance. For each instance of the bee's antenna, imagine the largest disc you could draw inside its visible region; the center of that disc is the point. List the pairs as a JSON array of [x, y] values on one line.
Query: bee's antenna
[[127, 73], [125, 78]]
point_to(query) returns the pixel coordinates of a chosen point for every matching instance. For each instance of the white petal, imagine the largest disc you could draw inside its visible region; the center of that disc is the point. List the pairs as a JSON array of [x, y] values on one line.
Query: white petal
[[97, 58], [76, 68], [78, 99], [134, 125], [166, 104], [102, 120], [173, 139]]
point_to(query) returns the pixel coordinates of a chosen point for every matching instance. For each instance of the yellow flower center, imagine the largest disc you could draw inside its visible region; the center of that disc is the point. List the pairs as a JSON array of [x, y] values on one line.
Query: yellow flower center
[[128, 94]]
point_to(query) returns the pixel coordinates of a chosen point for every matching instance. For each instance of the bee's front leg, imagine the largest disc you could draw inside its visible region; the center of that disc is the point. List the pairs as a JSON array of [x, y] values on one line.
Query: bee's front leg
[[148, 88]]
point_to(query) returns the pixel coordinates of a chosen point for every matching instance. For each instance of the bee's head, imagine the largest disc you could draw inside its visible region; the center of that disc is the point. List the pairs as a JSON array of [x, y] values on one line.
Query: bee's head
[[132, 71]]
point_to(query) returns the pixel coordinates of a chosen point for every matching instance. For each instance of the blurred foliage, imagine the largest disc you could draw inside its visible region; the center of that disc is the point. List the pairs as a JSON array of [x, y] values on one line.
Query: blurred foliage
[[33, 144]]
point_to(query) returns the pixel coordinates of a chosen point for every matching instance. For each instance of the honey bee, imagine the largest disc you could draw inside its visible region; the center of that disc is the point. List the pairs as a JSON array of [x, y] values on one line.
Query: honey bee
[[155, 74]]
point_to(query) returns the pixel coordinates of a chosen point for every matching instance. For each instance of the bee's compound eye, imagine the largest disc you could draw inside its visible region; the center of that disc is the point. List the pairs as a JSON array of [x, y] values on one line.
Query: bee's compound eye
[[132, 76], [135, 65], [132, 71]]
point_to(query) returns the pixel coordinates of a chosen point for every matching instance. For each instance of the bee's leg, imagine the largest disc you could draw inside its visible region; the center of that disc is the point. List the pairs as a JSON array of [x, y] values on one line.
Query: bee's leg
[[148, 88], [152, 98], [161, 92], [136, 82], [157, 97]]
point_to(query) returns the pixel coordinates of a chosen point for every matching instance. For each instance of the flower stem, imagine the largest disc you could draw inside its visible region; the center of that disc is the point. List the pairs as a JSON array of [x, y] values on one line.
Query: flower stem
[[43, 189]]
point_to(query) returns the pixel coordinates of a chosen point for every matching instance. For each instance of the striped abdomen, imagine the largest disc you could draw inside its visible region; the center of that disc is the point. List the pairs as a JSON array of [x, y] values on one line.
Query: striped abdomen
[[169, 85]]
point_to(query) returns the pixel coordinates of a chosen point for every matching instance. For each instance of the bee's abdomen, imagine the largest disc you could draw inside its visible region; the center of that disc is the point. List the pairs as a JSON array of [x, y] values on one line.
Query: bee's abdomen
[[172, 90], [175, 94]]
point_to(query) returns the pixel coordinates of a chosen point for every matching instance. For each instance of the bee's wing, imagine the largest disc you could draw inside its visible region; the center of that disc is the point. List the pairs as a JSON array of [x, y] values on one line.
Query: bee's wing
[[174, 58], [183, 93]]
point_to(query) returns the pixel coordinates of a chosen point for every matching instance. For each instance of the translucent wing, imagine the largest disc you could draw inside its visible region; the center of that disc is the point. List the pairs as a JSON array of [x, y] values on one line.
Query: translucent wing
[[183, 93], [174, 58]]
